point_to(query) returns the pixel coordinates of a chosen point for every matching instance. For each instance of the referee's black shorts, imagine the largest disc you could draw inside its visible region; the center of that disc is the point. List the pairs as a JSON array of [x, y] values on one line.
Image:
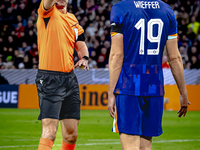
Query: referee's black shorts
[[58, 95]]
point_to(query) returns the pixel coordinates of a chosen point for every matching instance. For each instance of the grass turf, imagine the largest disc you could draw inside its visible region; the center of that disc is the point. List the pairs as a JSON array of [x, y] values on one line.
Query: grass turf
[[20, 130]]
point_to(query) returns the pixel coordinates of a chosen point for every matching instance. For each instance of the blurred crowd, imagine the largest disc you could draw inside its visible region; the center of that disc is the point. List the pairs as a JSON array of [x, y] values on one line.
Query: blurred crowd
[[18, 33], [188, 20]]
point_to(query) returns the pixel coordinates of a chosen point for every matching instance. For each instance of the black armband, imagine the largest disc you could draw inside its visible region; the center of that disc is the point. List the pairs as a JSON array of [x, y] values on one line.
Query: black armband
[[116, 28], [81, 37]]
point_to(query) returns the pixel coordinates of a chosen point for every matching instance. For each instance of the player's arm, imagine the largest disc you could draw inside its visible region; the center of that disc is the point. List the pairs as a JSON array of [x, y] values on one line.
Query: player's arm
[[115, 67], [48, 3], [176, 66], [83, 54], [116, 54]]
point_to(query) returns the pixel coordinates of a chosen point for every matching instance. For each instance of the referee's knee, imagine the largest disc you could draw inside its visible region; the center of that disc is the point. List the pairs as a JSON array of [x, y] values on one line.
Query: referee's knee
[[49, 128], [70, 138], [49, 134]]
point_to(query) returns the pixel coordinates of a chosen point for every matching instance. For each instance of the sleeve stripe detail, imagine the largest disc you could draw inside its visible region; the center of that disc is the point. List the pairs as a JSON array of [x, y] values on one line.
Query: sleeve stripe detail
[[113, 34], [174, 34], [171, 37]]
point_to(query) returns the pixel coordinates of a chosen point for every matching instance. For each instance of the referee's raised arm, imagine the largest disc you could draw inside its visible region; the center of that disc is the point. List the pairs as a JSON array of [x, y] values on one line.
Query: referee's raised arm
[[48, 3]]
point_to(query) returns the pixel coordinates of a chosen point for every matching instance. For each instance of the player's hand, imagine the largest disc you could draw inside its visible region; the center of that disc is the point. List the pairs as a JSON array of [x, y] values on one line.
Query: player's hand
[[83, 62], [111, 105], [184, 106]]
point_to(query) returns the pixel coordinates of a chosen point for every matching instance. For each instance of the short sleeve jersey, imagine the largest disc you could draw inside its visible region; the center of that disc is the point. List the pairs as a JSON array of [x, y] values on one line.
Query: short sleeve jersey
[[57, 34], [146, 26]]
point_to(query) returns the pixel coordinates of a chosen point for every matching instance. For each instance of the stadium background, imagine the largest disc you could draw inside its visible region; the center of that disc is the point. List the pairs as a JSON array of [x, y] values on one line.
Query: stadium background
[[19, 62], [18, 33]]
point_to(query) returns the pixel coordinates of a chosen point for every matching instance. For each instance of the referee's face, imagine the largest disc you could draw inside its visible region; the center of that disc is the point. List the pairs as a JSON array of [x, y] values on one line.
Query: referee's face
[[62, 2]]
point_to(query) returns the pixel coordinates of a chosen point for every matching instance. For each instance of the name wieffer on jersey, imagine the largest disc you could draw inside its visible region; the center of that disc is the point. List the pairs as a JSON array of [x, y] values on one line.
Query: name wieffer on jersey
[[147, 4]]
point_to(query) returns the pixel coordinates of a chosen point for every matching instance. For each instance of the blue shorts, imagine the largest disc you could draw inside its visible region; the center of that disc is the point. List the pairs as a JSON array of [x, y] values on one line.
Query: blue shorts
[[138, 115]]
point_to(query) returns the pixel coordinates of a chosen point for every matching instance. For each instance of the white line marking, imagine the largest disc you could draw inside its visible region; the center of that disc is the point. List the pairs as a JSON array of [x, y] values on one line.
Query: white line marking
[[21, 140], [99, 143], [174, 141], [89, 144], [27, 140], [16, 136], [103, 139], [18, 146]]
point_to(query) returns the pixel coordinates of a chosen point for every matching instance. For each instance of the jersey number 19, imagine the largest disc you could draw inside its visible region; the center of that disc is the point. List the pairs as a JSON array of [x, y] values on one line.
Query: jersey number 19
[[150, 37]]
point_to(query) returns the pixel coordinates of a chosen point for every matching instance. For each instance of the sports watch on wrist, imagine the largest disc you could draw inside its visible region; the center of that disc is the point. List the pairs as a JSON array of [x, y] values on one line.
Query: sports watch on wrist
[[85, 57]]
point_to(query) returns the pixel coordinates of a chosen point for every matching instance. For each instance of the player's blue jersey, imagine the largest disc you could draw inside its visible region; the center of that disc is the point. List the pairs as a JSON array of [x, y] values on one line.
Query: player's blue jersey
[[146, 26]]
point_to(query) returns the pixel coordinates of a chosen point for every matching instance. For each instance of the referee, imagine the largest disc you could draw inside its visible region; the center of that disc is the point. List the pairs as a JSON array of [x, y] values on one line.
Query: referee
[[58, 34]]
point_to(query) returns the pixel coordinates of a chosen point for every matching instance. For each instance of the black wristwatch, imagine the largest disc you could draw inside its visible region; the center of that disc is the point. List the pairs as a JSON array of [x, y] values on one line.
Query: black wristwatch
[[85, 57]]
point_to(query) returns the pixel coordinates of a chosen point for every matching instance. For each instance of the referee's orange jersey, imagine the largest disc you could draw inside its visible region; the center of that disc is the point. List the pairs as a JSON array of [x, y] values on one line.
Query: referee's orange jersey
[[57, 34]]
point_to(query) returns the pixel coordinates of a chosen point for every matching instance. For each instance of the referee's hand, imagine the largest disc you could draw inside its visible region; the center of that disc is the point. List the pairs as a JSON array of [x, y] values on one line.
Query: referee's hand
[[83, 62]]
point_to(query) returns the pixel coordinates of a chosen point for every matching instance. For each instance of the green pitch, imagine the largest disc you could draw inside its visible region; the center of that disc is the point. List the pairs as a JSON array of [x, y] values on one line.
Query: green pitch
[[20, 130]]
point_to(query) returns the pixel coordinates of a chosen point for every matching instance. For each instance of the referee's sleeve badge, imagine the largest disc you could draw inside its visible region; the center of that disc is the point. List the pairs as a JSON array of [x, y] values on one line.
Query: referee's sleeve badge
[[76, 33]]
